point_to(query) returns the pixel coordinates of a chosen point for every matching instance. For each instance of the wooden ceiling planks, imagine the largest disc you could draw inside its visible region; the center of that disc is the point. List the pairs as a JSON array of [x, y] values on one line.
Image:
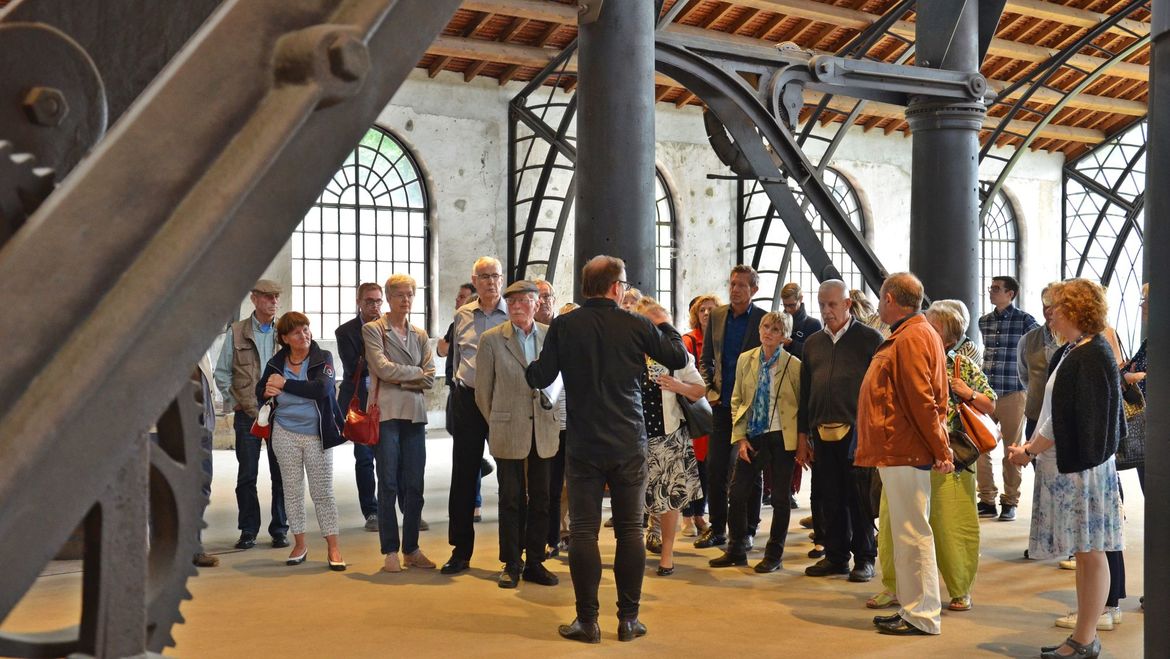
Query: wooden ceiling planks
[[483, 37]]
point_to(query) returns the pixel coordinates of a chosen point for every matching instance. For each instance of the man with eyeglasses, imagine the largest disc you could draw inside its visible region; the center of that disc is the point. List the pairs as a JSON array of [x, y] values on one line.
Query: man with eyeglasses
[[352, 348], [600, 351], [247, 347], [469, 430], [1002, 328]]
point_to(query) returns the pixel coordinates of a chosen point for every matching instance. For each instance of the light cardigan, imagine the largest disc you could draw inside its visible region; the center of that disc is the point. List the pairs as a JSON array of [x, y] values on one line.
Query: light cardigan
[[672, 414], [404, 371], [747, 378]]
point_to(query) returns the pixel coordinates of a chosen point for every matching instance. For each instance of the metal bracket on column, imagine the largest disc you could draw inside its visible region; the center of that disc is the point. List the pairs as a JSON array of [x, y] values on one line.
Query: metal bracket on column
[[588, 11]]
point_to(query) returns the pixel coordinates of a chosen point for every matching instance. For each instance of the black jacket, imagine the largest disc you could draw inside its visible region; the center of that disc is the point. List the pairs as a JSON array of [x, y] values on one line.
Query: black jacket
[[600, 351], [319, 387], [803, 327], [352, 347], [1087, 417]]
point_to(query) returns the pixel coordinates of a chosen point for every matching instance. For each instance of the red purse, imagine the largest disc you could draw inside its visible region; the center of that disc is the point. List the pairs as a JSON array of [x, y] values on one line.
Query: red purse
[[264, 414], [361, 426]]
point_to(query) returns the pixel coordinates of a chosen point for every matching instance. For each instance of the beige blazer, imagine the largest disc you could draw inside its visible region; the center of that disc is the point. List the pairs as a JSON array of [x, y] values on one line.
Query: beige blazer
[[511, 407], [403, 373], [747, 378]]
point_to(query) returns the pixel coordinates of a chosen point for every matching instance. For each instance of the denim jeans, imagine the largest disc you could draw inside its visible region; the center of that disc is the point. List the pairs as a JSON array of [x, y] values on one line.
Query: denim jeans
[[401, 459], [367, 484], [248, 455], [587, 479]]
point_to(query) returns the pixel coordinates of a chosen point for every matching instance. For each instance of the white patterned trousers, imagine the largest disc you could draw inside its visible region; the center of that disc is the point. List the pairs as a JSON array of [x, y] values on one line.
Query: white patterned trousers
[[298, 455]]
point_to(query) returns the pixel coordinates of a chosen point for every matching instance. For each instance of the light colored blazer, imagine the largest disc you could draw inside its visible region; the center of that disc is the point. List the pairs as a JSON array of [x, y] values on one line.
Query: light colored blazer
[[403, 374], [511, 407], [672, 414], [747, 378]]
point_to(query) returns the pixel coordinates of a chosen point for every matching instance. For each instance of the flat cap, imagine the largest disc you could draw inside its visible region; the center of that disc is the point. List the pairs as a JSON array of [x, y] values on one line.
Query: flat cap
[[522, 286], [267, 286]]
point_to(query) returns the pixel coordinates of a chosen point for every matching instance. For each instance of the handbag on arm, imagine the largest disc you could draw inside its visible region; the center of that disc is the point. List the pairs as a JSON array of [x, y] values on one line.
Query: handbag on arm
[[361, 426], [981, 428]]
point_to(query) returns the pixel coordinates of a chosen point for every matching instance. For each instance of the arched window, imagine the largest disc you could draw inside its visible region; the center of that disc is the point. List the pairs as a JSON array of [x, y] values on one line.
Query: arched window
[[998, 244], [780, 250], [664, 242], [370, 222]]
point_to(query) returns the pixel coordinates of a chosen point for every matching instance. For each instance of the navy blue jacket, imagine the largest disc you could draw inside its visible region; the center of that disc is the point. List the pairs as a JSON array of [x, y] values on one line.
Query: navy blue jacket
[[352, 348], [319, 387]]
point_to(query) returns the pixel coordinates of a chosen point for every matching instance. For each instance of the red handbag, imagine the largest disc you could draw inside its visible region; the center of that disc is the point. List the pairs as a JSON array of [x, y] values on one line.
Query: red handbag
[[981, 428], [264, 431], [361, 426]]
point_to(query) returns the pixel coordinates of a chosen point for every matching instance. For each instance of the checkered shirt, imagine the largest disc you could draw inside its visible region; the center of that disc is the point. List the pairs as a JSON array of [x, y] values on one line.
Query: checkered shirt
[[1001, 336]]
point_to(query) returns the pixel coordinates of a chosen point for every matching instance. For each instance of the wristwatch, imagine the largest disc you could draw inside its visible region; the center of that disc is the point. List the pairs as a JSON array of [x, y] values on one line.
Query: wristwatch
[[1029, 453], [972, 398]]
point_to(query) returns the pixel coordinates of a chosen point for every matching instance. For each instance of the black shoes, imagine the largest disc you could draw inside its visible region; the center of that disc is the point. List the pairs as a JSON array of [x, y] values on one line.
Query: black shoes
[[297, 560], [825, 567], [728, 559], [454, 566], [279, 541], [816, 552], [709, 539], [664, 571], [1007, 514], [767, 565], [628, 630], [485, 467], [987, 510], [880, 620], [539, 574], [791, 502], [246, 541], [900, 628], [509, 576], [861, 572], [1090, 651], [586, 632]]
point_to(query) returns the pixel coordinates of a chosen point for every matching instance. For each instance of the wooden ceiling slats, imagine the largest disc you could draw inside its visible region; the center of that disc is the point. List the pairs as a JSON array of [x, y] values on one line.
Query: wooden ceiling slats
[[511, 39]]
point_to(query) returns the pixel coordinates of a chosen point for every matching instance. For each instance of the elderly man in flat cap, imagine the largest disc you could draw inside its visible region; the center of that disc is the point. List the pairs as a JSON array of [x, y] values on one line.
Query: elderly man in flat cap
[[248, 346], [523, 435]]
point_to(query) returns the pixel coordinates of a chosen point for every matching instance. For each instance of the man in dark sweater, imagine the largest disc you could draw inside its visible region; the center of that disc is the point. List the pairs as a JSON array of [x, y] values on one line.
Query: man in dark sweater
[[600, 350], [834, 365], [803, 325]]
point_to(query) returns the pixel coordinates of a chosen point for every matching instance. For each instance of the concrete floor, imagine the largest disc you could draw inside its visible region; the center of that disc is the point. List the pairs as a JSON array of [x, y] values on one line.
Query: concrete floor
[[253, 605]]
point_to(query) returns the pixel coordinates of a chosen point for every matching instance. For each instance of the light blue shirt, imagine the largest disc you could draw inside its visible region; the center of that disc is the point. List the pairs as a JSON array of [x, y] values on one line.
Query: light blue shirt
[[470, 323], [265, 336], [295, 413], [527, 342]]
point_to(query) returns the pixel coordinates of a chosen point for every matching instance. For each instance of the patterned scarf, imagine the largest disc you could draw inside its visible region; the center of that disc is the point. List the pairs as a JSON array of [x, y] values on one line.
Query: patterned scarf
[[759, 420]]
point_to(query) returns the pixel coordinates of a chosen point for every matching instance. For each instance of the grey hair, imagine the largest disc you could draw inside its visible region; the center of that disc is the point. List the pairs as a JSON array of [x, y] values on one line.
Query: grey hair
[[486, 260]]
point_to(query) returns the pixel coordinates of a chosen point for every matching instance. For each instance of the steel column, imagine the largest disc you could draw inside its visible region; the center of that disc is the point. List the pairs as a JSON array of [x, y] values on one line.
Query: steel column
[[1157, 531], [615, 140], [944, 198]]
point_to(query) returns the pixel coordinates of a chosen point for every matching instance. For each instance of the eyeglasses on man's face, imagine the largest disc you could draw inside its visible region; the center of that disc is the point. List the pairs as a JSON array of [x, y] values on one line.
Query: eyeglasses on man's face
[[995, 289], [372, 301], [489, 276], [625, 286]]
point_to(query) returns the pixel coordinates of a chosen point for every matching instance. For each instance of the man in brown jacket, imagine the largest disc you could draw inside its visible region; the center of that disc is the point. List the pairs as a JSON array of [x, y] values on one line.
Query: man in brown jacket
[[901, 416]]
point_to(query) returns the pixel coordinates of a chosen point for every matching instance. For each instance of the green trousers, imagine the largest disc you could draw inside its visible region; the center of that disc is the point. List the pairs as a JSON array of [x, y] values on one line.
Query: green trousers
[[955, 522]]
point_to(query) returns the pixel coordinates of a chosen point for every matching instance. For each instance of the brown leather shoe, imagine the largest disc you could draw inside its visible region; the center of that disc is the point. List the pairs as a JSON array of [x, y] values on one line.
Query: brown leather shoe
[[392, 564], [419, 560]]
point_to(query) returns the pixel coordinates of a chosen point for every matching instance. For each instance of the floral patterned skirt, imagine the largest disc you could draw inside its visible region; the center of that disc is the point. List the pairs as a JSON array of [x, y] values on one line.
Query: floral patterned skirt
[[1077, 512], [672, 479]]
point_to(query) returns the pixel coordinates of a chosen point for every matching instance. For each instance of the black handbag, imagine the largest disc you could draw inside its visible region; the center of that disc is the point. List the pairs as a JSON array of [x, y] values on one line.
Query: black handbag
[[1131, 450], [963, 449], [700, 419]]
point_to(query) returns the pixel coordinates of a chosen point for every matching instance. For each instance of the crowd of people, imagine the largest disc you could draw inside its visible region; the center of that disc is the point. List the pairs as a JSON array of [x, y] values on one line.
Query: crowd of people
[[691, 432]]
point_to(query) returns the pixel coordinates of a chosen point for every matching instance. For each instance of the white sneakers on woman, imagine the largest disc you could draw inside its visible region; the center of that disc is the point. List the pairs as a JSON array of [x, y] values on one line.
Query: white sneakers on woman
[[1111, 617]]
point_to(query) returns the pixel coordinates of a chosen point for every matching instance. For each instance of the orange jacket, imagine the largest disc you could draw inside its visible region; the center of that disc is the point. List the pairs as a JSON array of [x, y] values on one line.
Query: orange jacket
[[901, 411]]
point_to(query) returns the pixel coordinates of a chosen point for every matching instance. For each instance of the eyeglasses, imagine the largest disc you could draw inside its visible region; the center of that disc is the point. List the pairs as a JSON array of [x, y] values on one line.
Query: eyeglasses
[[625, 286], [791, 305], [402, 296], [547, 296], [995, 289], [490, 277], [372, 302]]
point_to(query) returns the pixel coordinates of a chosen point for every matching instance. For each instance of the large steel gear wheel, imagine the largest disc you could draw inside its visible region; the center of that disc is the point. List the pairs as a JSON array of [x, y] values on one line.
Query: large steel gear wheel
[[172, 472]]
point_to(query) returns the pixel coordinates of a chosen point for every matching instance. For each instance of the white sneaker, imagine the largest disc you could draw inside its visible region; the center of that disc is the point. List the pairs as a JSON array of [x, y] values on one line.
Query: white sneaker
[[1115, 613], [688, 528], [1104, 623], [1070, 564]]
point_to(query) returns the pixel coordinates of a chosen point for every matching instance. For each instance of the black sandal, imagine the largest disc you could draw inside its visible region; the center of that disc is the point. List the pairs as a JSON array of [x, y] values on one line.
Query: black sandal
[[1090, 651]]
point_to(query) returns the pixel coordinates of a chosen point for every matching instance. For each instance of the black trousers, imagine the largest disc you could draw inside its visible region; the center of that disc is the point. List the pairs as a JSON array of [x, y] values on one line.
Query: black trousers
[[468, 437], [720, 464], [523, 508], [846, 529], [556, 481], [587, 479], [768, 451]]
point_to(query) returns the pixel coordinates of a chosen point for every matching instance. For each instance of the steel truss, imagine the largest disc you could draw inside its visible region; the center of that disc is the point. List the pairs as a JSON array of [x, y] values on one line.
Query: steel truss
[[149, 232], [1041, 78], [1103, 235]]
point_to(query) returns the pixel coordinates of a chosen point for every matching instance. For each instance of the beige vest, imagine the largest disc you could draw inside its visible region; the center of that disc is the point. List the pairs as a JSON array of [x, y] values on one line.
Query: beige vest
[[246, 366]]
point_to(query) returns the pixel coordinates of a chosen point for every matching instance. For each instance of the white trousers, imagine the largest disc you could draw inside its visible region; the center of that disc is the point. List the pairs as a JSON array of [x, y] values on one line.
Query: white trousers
[[908, 499], [297, 456]]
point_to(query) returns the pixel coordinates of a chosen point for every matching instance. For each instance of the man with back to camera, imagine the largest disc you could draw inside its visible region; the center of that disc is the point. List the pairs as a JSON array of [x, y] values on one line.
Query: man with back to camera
[[247, 347], [1002, 328], [600, 350], [901, 430], [351, 348], [731, 329]]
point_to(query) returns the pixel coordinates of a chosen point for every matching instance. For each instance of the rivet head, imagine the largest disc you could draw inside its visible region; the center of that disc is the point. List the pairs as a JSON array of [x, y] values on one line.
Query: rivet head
[[46, 106], [349, 59]]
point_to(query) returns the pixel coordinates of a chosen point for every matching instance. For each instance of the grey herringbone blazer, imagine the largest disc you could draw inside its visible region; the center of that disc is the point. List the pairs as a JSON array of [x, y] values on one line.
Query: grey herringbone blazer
[[511, 407]]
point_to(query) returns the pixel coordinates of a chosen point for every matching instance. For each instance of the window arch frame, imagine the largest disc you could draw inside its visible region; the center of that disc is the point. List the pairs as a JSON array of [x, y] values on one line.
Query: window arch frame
[[664, 200], [1004, 213], [406, 222]]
